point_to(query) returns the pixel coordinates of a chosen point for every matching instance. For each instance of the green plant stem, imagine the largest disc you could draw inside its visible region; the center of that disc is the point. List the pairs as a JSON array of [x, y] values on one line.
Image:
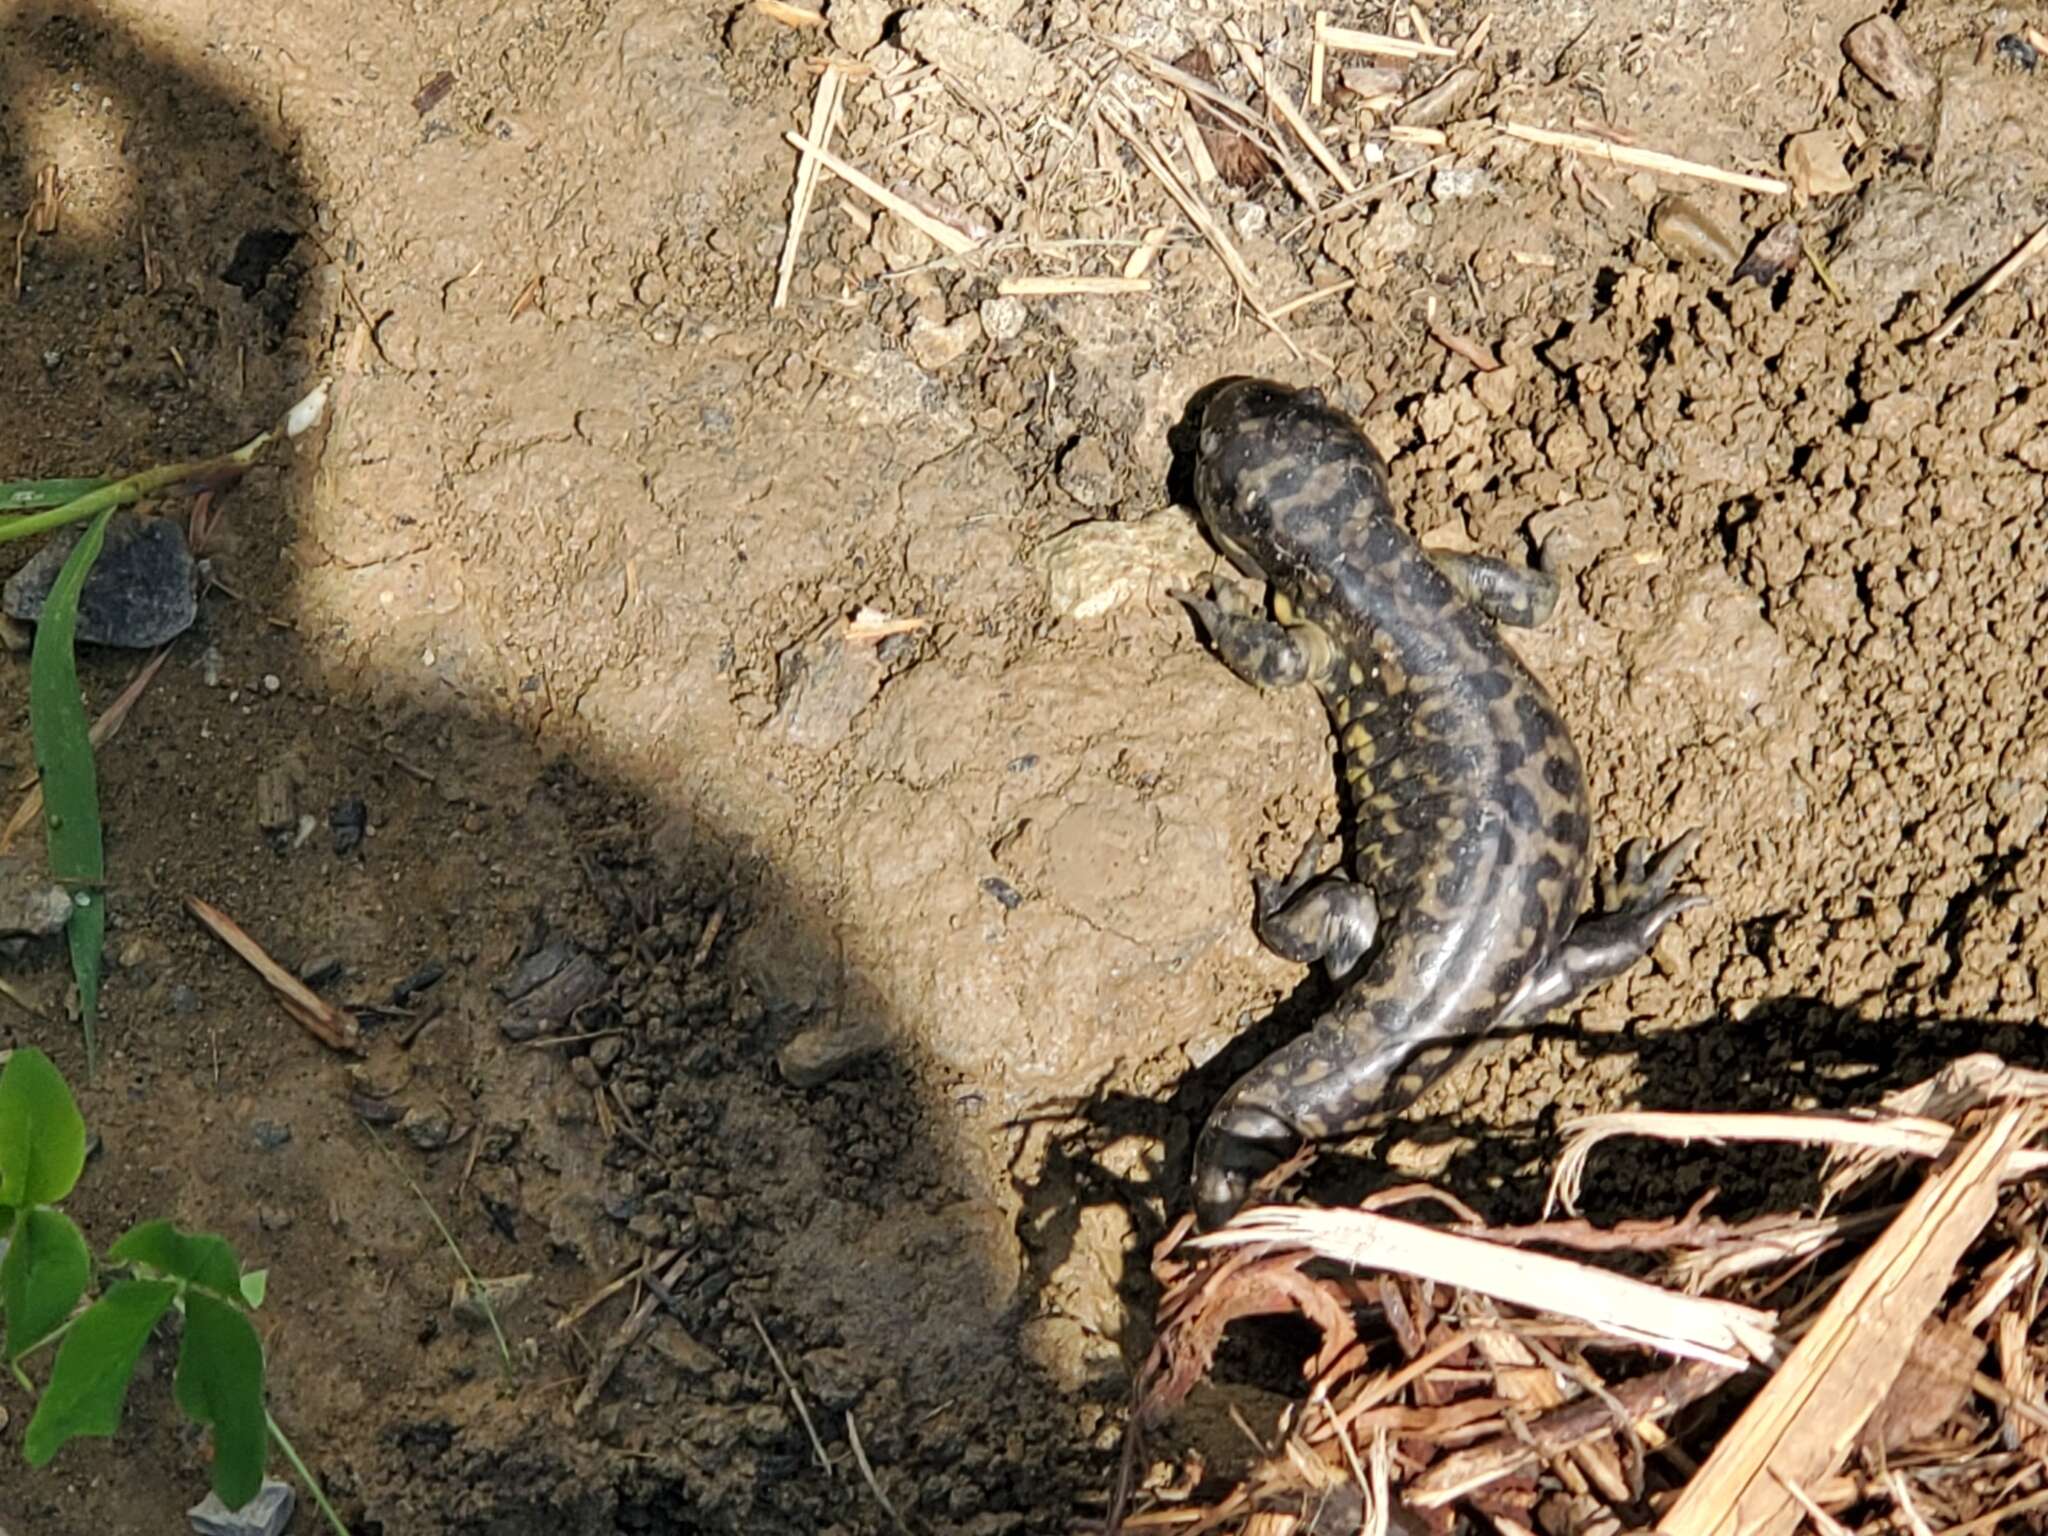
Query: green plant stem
[[120, 493], [476, 1286], [306, 1476]]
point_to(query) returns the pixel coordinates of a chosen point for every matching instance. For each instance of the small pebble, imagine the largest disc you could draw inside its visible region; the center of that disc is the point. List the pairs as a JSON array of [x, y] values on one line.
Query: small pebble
[[825, 1051], [209, 666], [1457, 181], [270, 1134], [184, 999], [1003, 317], [273, 1218], [349, 819], [1684, 233], [272, 682], [428, 1130]]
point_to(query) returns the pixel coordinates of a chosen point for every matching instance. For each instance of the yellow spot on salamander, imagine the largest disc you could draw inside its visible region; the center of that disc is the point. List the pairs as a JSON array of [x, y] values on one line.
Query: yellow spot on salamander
[[1355, 738], [1357, 675], [1343, 711], [1283, 607]]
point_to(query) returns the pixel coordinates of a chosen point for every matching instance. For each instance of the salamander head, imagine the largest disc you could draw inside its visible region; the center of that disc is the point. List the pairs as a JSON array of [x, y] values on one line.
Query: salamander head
[[1277, 473]]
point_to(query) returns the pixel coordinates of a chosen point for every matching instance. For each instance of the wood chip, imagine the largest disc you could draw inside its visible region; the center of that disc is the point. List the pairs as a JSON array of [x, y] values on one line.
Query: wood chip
[[1642, 159], [1802, 1424], [333, 1027], [1692, 1327]]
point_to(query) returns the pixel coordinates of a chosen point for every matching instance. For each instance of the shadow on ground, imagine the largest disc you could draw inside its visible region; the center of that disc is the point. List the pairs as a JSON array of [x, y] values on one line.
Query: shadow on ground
[[192, 286]]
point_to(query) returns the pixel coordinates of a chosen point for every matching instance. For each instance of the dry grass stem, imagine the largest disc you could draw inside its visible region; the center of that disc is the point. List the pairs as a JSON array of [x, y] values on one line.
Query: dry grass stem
[[103, 731], [2002, 274], [1643, 159], [940, 232], [1044, 287], [824, 115], [788, 15], [796, 1395], [1289, 113], [1379, 44]]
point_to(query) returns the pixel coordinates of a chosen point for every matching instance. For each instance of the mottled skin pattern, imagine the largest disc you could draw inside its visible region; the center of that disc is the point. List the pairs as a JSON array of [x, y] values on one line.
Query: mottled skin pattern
[[1472, 835]]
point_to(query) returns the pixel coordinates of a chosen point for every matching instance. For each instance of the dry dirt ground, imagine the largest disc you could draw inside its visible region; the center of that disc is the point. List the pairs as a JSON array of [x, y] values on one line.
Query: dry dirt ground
[[558, 595]]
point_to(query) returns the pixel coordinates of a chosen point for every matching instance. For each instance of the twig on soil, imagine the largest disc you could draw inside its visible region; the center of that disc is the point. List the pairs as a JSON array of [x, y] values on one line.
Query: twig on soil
[[632, 1274], [824, 116], [333, 1027], [2002, 274], [1809, 1413], [943, 234], [1156, 162], [796, 1395], [1351, 40], [1289, 113], [1366, 196], [860, 1459], [629, 1332], [1333, 291], [1642, 159]]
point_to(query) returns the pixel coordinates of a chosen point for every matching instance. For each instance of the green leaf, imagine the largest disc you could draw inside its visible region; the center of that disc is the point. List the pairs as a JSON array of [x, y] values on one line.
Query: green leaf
[[71, 795], [34, 495], [220, 1384], [89, 1382], [42, 1135], [255, 1286], [45, 1272], [197, 1258]]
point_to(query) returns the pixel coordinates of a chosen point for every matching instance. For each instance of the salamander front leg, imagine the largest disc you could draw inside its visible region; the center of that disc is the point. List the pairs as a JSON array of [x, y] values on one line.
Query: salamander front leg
[[1518, 595], [1332, 919], [1261, 652], [1639, 903]]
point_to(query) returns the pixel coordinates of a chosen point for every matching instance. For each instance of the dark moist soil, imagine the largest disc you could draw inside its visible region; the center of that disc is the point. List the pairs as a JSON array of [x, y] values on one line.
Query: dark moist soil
[[915, 961]]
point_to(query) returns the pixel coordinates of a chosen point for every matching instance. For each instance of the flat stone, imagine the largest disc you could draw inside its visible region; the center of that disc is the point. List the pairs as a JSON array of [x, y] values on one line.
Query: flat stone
[[31, 903], [141, 592]]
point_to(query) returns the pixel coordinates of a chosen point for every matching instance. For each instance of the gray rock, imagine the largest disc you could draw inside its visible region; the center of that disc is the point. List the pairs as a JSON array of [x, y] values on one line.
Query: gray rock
[[141, 592], [1004, 68], [822, 683], [265, 1515], [30, 902], [857, 25]]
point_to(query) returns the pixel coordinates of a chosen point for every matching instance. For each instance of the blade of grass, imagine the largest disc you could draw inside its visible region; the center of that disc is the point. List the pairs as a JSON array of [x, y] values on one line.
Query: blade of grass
[[35, 495], [102, 731], [476, 1287], [63, 753]]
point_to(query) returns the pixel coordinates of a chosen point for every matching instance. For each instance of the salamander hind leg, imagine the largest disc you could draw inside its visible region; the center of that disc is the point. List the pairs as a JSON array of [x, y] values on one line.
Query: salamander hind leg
[[1307, 919], [1518, 595], [1638, 904], [1261, 652]]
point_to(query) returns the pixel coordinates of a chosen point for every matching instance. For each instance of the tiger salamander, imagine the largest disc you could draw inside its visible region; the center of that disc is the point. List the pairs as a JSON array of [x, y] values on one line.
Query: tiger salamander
[[1471, 841]]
